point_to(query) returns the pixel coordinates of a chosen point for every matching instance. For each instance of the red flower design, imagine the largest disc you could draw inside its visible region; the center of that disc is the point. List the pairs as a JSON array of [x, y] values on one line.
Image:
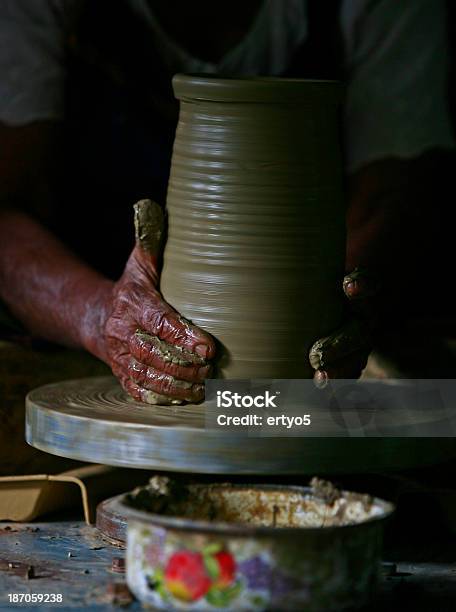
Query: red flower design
[[227, 569], [186, 577]]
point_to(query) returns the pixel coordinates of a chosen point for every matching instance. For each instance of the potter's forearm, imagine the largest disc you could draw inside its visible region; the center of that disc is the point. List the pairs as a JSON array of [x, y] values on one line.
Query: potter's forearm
[[55, 295]]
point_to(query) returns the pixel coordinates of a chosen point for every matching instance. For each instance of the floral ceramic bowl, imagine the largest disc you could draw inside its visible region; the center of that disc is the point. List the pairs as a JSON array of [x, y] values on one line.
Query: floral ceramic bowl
[[253, 547]]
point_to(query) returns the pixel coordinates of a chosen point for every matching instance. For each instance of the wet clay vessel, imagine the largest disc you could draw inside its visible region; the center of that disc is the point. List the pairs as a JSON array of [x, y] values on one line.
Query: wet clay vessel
[[256, 235]]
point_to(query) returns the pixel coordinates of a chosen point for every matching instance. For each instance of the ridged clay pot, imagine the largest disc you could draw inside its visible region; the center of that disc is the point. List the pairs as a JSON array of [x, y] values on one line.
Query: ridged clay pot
[[256, 219]]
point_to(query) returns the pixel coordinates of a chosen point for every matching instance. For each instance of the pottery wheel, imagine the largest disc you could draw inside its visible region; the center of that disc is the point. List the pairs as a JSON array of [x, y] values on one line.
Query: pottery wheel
[[93, 420]]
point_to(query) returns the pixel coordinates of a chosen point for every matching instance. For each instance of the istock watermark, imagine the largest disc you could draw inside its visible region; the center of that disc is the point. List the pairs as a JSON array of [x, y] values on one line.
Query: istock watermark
[[350, 408], [228, 399]]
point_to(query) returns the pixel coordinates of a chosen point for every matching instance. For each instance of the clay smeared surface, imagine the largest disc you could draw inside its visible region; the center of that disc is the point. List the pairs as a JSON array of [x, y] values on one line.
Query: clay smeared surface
[[325, 506]]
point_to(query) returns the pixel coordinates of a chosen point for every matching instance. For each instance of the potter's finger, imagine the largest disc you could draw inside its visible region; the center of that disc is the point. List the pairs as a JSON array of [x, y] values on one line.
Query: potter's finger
[[121, 371], [351, 337], [359, 284], [361, 289], [164, 384], [160, 319], [148, 397], [167, 358], [149, 226], [350, 368], [119, 368]]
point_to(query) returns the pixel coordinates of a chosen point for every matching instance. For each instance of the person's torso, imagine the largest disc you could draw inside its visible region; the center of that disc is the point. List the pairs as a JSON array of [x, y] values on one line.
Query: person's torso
[[121, 114]]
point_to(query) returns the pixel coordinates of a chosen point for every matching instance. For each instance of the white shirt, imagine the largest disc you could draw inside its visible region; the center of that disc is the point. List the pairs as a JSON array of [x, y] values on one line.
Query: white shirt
[[395, 53]]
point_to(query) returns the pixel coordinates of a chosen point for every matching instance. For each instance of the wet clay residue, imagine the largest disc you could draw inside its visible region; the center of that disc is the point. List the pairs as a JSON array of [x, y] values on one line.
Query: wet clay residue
[[149, 223], [323, 506], [170, 353]]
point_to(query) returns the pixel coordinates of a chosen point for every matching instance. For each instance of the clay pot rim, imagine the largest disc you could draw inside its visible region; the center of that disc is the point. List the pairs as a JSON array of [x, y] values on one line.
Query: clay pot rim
[[212, 88], [146, 517]]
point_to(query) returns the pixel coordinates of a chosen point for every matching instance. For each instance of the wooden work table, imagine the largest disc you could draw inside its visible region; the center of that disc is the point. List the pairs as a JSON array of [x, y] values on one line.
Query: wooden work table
[[67, 557]]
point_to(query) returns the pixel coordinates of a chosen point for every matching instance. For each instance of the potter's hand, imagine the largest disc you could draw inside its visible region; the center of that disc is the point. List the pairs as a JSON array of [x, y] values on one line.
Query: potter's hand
[[157, 355], [344, 353]]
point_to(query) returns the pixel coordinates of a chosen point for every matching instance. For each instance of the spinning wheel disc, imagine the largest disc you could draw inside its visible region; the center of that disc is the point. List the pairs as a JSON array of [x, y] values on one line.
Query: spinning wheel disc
[[93, 420]]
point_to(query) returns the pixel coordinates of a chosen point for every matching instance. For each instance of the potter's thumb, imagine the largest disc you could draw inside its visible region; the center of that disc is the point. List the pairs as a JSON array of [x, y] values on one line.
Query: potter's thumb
[[149, 227]]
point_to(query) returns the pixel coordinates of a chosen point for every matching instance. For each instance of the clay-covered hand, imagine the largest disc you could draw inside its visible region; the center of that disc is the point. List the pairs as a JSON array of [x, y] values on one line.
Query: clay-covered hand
[[344, 353], [158, 356]]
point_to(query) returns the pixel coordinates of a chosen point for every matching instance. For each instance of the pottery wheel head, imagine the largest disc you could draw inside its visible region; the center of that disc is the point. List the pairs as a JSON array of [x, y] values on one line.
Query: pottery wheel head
[[93, 420]]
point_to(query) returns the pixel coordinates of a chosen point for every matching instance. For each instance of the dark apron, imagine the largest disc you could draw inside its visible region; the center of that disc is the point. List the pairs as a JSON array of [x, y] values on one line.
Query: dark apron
[[121, 117]]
